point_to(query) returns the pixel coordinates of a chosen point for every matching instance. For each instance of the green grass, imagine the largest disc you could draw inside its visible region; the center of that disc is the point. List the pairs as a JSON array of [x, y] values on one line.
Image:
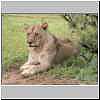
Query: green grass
[[15, 50]]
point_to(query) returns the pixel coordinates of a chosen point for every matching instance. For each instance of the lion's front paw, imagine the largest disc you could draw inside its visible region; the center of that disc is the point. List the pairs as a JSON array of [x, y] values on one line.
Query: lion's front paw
[[24, 67], [28, 72]]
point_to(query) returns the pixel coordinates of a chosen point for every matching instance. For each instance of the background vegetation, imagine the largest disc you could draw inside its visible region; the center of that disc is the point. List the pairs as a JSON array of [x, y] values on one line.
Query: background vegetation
[[81, 28]]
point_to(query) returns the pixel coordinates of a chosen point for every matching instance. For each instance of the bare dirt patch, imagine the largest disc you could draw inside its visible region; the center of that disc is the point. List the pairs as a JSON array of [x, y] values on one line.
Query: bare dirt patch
[[13, 77]]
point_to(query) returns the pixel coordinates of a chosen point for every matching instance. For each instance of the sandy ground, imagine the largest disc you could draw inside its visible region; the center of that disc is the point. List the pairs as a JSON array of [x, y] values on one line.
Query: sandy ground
[[13, 77]]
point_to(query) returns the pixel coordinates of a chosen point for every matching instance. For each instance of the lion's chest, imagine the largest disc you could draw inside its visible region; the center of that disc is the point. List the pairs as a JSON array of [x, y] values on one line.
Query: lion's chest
[[35, 55]]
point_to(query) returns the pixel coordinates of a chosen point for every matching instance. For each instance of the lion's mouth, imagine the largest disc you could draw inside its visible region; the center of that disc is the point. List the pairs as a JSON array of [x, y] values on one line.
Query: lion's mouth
[[33, 45]]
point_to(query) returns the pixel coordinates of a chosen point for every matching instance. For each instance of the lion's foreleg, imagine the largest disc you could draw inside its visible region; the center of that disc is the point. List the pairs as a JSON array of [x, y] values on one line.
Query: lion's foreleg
[[45, 63], [27, 64], [32, 69]]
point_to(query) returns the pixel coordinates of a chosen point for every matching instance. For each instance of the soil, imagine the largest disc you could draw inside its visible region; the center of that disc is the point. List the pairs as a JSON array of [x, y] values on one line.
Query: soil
[[13, 77]]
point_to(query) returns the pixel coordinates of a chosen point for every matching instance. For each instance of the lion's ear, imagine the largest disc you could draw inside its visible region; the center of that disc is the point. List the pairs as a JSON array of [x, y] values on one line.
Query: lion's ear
[[44, 26]]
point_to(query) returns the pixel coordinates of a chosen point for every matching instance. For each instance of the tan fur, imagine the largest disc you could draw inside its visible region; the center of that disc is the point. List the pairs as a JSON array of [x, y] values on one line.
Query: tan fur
[[45, 50]]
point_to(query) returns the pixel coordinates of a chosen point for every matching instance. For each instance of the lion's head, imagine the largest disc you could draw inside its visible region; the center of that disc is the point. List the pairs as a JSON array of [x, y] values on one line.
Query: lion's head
[[35, 34]]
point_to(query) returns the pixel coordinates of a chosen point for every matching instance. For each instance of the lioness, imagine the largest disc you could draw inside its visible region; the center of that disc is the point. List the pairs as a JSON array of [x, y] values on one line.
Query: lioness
[[45, 49]]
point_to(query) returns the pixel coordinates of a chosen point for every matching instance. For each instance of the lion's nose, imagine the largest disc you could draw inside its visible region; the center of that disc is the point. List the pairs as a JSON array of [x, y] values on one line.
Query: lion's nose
[[30, 42]]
